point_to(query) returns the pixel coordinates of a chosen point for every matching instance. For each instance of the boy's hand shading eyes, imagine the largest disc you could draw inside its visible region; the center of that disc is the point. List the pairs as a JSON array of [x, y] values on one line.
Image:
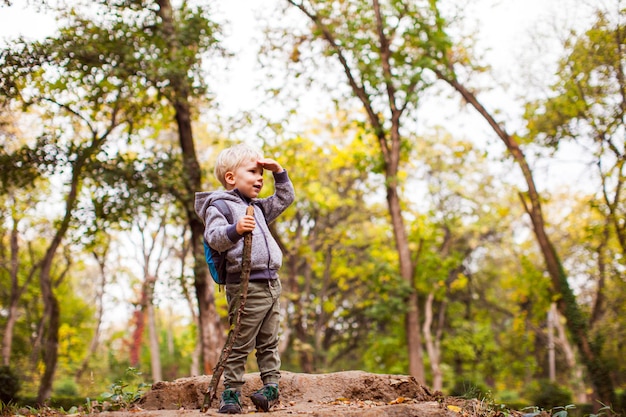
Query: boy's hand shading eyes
[[270, 165]]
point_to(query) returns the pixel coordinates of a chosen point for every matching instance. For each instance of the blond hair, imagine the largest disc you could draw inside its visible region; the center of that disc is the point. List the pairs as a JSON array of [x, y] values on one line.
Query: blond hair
[[232, 158]]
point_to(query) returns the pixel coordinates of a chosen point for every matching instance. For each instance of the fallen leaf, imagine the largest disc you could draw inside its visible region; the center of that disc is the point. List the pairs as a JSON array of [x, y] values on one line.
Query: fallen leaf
[[398, 400]]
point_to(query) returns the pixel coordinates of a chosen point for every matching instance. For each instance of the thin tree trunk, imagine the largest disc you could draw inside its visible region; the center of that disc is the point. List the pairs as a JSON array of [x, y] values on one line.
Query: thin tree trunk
[[295, 267], [15, 295], [551, 353], [147, 298], [432, 347], [170, 332], [139, 319], [307, 362], [155, 351], [51, 319], [195, 359], [95, 340], [194, 369], [7, 339], [51, 340], [319, 356], [570, 358], [412, 317]]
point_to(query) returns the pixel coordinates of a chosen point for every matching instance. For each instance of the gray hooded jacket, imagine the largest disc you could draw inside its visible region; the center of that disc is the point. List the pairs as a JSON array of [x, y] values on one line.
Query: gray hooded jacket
[[266, 256]]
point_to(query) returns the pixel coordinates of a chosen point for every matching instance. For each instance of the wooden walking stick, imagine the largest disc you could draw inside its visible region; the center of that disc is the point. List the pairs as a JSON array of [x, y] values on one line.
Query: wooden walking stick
[[235, 326]]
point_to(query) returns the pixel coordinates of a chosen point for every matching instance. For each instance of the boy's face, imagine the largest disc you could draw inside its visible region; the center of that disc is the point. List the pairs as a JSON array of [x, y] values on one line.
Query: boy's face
[[248, 179]]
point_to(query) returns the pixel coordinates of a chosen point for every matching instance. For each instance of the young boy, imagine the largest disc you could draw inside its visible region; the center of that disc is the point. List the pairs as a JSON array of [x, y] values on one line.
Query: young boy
[[240, 170]]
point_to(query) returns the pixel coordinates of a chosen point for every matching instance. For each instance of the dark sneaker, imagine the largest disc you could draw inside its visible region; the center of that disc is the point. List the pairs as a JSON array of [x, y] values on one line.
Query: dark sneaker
[[265, 398], [230, 404]]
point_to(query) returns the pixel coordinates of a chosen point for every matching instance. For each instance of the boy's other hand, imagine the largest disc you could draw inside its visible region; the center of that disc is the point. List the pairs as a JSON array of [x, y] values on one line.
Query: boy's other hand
[[245, 224], [270, 165]]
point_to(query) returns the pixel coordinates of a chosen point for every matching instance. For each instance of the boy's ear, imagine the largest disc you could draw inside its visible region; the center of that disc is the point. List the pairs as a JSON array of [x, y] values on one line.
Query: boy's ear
[[229, 177]]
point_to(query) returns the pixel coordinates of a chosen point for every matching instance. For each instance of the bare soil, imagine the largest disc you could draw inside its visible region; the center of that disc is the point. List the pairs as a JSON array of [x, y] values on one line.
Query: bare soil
[[340, 394]]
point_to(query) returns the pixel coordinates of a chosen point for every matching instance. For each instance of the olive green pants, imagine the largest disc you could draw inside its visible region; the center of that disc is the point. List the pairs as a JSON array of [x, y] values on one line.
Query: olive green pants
[[259, 330]]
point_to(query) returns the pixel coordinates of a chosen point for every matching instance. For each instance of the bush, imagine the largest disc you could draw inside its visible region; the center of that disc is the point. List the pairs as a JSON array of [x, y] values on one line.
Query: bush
[[58, 403], [66, 403], [9, 385], [66, 388], [550, 394], [621, 403]]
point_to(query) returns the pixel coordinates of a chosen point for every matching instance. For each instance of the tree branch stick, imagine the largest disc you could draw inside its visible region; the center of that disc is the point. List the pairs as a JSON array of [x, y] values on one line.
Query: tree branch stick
[[235, 326]]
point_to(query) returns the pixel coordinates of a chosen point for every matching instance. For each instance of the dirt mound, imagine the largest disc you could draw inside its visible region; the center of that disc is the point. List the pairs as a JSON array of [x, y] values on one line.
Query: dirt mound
[[340, 394]]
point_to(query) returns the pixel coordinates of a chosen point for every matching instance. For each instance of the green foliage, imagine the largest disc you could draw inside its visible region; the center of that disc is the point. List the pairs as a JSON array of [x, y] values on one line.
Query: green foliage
[[386, 352], [9, 385], [66, 388], [124, 392], [9, 409], [589, 80]]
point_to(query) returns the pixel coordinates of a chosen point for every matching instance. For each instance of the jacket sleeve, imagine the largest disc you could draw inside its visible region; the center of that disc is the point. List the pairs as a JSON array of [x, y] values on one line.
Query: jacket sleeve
[[219, 234], [284, 194]]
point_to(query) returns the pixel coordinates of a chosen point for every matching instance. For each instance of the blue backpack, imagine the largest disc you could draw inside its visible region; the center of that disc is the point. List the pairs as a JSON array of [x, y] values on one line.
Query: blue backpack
[[214, 259]]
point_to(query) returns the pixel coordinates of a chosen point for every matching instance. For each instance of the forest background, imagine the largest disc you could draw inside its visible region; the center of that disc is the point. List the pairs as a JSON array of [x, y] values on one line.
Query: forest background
[[457, 219]]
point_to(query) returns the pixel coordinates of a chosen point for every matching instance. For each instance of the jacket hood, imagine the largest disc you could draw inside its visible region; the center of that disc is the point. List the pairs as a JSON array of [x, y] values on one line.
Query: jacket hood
[[204, 199]]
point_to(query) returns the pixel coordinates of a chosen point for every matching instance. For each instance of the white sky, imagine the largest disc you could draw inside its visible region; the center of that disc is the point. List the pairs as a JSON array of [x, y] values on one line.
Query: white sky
[[504, 25]]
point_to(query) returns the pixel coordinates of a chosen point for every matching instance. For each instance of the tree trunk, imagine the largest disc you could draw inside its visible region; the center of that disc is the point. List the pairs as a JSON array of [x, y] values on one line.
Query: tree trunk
[[567, 305], [210, 327], [51, 340], [15, 295], [390, 147], [194, 369], [412, 317], [432, 346], [95, 340], [300, 317], [570, 358], [51, 305], [153, 335], [52, 313], [319, 356], [139, 319], [551, 353], [155, 351], [7, 339]]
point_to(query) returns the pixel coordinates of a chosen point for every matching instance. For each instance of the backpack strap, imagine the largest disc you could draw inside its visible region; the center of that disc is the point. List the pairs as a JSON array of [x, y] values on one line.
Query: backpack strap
[[223, 208]]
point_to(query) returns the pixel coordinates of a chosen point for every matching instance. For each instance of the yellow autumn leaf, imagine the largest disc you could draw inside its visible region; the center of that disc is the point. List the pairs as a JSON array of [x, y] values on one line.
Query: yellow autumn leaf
[[454, 408]]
